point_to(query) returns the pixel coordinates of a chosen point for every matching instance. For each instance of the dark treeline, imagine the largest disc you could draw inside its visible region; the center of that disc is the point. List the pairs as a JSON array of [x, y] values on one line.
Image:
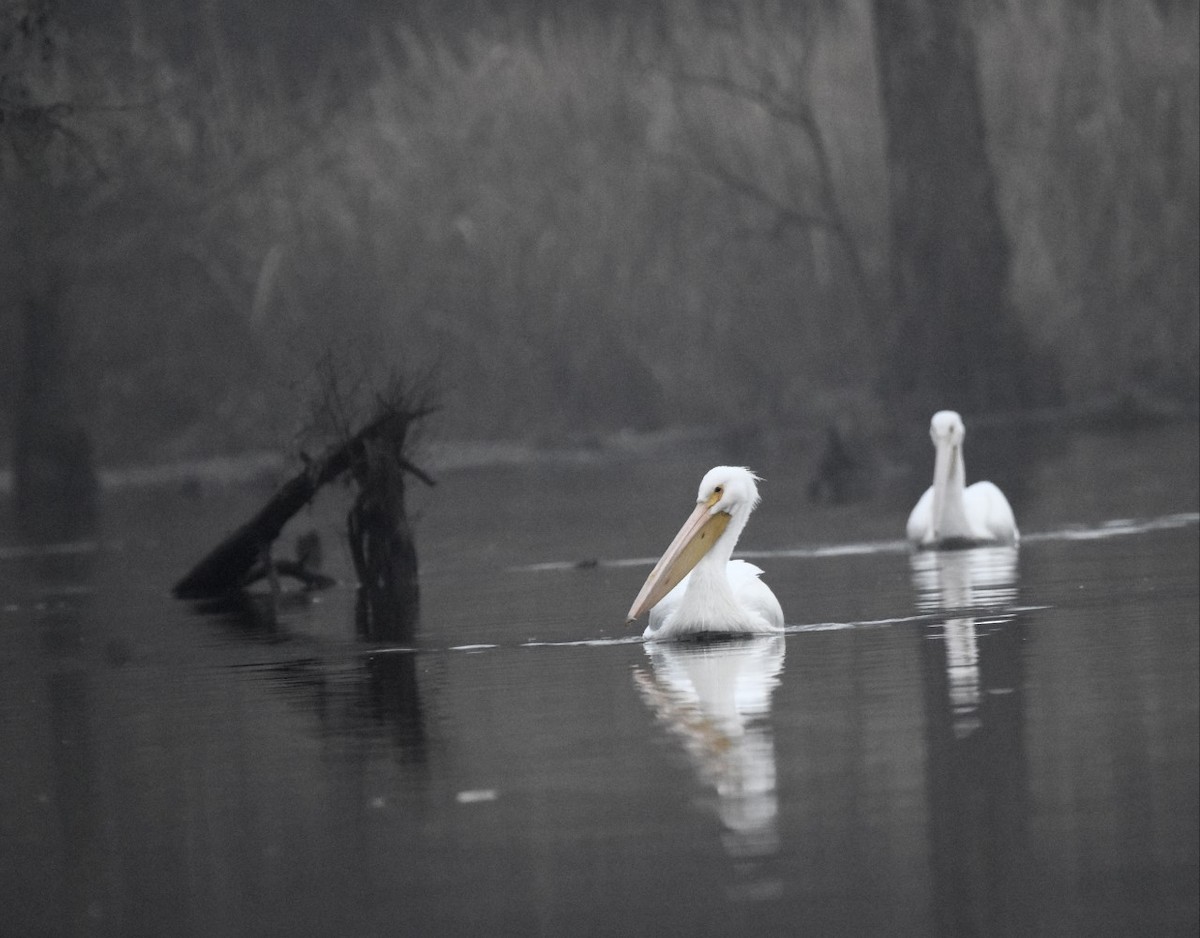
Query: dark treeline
[[584, 217]]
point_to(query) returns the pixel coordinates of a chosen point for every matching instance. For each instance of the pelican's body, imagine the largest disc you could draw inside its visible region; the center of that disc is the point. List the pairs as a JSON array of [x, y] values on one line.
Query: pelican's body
[[952, 513], [696, 588]]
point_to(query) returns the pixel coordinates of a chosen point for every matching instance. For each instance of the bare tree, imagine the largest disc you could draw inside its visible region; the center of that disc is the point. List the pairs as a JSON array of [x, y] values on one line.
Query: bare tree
[[957, 343], [55, 481], [769, 68]]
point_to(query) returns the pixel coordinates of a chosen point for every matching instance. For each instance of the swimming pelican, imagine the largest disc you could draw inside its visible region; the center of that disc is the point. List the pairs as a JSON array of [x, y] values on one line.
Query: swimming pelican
[[695, 588], [951, 513]]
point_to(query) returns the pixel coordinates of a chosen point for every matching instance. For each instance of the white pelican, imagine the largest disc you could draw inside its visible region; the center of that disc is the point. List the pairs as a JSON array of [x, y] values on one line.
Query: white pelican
[[695, 588], [952, 513]]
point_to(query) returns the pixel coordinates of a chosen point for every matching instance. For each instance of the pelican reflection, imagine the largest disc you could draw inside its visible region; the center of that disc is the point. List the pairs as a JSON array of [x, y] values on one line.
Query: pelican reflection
[[981, 578], [977, 773], [976, 588], [716, 699]]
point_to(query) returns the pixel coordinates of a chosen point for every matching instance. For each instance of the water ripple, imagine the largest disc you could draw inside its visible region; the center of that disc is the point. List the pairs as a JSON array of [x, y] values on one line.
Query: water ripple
[[1117, 527]]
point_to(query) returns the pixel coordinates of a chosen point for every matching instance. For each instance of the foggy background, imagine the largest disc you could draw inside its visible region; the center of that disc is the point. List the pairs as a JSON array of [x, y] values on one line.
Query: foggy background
[[575, 218]]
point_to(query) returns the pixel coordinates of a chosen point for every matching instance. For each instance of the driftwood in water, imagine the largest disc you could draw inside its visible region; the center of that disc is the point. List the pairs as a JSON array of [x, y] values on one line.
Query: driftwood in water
[[243, 557], [309, 576]]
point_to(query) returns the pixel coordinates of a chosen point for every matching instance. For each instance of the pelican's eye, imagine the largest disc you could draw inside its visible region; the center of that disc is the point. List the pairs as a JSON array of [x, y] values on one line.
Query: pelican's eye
[[719, 490]]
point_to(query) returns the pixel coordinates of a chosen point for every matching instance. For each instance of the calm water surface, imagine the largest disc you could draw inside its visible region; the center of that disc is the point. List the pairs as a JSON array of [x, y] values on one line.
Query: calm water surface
[[985, 742]]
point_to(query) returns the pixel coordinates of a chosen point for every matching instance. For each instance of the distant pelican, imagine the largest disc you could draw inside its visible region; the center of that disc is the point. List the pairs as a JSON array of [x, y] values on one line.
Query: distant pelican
[[951, 513], [719, 595]]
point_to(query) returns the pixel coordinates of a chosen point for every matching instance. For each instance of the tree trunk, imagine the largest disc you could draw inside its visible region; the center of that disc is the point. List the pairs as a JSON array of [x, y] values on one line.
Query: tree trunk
[[382, 546], [957, 344], [55, 485]]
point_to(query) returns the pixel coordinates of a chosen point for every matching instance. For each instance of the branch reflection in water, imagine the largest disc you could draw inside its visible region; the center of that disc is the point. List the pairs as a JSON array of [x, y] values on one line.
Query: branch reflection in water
[[716, 699], [377, 694], [977, 588]]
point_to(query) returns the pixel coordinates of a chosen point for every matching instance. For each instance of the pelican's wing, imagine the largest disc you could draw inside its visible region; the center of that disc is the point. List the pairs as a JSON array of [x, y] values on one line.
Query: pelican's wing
[[920, 520], [989, 512], [753, 593]]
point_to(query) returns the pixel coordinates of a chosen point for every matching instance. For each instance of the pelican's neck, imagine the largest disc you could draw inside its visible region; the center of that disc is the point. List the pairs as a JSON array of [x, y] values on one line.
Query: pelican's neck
[[949, 483], [708, 599], [714, 562]]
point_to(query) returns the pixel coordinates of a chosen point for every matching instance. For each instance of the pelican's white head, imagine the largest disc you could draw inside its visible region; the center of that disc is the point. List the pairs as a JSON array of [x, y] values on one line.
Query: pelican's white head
[[946, 427], [724, 501], [731, 489]]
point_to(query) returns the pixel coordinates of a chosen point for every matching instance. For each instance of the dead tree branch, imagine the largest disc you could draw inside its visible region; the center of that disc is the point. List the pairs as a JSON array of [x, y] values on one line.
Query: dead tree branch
[[238, 560]]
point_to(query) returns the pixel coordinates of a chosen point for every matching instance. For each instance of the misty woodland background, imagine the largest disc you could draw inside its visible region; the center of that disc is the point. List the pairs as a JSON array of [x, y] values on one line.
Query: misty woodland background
[[577, 218]]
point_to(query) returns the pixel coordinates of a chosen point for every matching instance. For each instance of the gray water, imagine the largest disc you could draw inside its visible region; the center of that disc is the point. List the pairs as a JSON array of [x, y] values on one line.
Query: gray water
[[986, 742]]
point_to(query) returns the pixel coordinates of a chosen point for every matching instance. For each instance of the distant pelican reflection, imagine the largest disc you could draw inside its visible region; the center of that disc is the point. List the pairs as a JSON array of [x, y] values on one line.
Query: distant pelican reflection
[[978, 579], [976, 588]]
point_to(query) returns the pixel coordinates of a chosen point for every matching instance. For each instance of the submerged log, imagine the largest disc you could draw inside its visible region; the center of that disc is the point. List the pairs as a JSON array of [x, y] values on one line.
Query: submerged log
[[240, 559]]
